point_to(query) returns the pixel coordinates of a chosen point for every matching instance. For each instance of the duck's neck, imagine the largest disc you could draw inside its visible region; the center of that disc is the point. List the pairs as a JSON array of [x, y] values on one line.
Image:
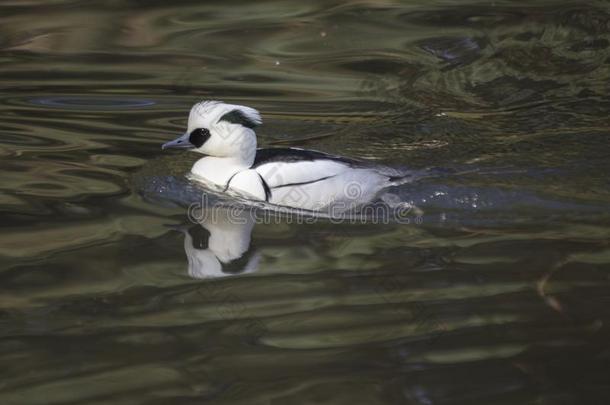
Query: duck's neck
[[232, 154], [219, 170]]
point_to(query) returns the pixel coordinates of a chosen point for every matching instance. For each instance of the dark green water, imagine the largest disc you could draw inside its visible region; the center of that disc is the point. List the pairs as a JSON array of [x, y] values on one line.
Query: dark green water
[[500, 296]]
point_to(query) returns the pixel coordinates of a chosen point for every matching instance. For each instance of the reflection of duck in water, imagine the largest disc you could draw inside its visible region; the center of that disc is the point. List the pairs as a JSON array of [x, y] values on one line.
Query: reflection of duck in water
[[285, 176], [219, 245]]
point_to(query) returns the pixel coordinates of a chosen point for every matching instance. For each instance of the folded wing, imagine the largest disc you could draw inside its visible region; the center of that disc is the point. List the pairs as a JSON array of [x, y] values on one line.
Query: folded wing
[[284, 167]]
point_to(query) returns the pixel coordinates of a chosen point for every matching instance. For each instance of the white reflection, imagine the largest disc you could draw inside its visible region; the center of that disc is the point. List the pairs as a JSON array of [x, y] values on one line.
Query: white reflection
[[219, 245]]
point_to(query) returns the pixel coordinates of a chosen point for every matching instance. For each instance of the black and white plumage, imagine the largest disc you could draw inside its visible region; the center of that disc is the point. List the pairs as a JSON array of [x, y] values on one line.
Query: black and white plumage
[[284, 176]]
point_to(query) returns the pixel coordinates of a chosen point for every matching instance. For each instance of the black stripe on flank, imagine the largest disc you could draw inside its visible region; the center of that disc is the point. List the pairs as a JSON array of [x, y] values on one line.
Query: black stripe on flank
[[267, 189], [228, 181], [304, 182], [265, 186]]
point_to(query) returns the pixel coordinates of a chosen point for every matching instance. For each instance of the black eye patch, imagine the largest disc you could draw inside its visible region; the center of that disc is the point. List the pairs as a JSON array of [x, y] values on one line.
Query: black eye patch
[[199, 136]]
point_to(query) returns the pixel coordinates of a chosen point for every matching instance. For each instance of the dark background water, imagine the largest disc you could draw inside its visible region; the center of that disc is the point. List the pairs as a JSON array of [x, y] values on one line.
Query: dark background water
[[500, 296]]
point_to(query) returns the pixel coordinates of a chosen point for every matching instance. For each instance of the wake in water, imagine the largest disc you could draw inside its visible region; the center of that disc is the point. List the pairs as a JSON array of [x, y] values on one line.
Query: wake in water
[[438, 195]]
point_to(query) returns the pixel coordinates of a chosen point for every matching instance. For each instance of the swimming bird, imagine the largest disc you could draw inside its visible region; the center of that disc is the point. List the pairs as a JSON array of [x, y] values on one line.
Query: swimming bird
[[293, 177]]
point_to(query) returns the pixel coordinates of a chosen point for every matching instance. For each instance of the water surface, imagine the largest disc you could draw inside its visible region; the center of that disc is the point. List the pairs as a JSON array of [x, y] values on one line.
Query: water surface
[[499, 295]]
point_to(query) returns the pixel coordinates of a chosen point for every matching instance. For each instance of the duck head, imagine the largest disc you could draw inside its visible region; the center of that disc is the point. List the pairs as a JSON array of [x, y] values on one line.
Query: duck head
[[220, 130]]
